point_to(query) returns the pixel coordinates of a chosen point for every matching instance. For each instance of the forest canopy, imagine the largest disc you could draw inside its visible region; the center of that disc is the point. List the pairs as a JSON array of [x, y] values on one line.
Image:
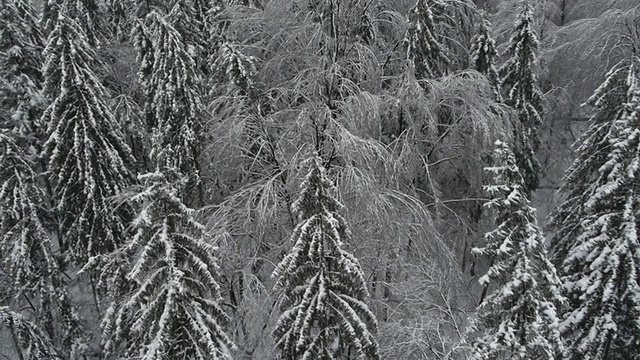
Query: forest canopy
[[319, 179]]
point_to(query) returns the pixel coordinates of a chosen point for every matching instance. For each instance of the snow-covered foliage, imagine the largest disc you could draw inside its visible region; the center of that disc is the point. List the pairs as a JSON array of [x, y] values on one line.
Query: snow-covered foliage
[[193, 19], [27, 249], [424, 48], [483, 56], [172, 307], [519, 318], [399, 98], [171, 86], [86, 13], [601, 266], [519, 82], [236, 68], [21, 44], [592, 150], [88, 158], [34, 344], [165, 297], [324, 313]]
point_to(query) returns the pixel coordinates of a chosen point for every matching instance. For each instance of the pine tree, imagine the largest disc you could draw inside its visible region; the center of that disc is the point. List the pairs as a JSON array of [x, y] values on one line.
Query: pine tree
[[591, 153], [519, 317], [88, 157], [171, 85], [424, 48], [601, 273], [324, 313], [518, 80], [27, 250], [21, 99], [483, 55]]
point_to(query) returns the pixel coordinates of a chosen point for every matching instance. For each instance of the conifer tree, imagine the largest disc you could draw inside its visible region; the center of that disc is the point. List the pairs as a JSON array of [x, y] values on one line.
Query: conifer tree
[[424, 48], [483, 55], [172, 88], [591, 153], [518, 80], [166, 297], [86, 14], [602, 266], [33, 343], [519, 318], [121, 14], [87, 155], [27, 250], [173, 308], [193, 21], [236, 68], [324, 313], [21, 99]]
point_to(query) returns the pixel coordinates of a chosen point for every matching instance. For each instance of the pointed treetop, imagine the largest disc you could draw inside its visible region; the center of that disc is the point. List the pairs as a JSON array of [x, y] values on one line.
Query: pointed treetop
[[520, 317], [483, 55], [601, 265], [324, 313], [428, 56]]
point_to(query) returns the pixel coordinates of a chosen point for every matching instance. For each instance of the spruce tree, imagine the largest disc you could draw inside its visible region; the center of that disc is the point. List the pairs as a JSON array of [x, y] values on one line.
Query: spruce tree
[[171, 85], [193, 21], [163, 280], [591, 153], [33, 343], [21, 99], [121, 14], [483, 55], [601, 271], [87, 156], [423, 45], [27, 250], [172, 310], [86, 13], [519, 318], [518, 80], [324, 315]]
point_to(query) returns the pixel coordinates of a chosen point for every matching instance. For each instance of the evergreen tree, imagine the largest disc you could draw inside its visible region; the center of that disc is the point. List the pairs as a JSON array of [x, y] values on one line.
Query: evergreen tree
[[483, 54], [27, 250], [171, 85], [21, 100], [519, 317], [591, 150], [86, 14], [33, 343], [166, 297], [193, 21], [601, 272], [236, 68], [88, 157], [424, 48], [324, 313], [518, 80], [173, 308], [121, 14]]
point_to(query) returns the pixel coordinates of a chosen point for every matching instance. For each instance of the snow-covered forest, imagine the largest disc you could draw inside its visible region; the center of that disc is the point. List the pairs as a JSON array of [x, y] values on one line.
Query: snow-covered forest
[[319, 179]]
